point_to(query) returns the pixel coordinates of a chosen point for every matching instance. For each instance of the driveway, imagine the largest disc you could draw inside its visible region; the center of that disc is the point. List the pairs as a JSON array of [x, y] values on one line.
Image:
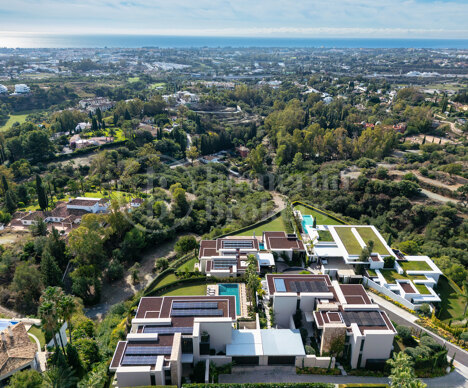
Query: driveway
[[287, 374]]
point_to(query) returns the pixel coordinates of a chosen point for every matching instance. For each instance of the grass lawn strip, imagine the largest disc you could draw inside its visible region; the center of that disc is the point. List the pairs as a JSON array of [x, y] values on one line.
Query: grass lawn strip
[[349, 240], [415, 266], [452, 306], [191, 290], [391, 275], [325, 235], [321, 219], [422, 289], [166, 280], [189, 265], [367, 233], [37, 331], [275, 225]]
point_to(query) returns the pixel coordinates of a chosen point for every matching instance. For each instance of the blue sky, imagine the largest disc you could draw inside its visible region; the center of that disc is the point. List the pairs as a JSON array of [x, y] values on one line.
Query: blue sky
[[294, 18]]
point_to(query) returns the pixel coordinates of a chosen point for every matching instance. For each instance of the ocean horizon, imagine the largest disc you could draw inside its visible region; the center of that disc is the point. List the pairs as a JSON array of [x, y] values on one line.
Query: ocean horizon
[[12, 40]]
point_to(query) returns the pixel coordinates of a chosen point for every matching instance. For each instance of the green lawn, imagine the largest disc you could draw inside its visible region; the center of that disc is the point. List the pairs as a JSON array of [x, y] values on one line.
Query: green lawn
[[188, 265], [37, 331], [422, 289], [166, 280], [452, 305], [367, 234], [275, 225], [349, 240], [371, 272], [20, 118], [133, 79], [156, 85], [391, 275], [415, 266], [321, 219], [190, 290], [325, 235]]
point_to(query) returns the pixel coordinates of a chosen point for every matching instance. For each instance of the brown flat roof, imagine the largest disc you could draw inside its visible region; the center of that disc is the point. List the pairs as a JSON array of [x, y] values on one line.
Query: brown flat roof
[[408, 288], [281, 240]]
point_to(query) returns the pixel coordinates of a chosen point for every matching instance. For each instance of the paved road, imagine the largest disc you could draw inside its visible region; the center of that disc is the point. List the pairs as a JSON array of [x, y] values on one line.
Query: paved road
[[287, 374], [399, 316]]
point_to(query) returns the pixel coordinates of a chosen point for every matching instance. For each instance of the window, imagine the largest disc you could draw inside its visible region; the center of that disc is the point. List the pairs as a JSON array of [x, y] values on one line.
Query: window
[[362, 345]]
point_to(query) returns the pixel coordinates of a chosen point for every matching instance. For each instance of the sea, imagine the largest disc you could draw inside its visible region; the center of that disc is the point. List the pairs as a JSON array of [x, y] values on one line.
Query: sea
[[25, 40]]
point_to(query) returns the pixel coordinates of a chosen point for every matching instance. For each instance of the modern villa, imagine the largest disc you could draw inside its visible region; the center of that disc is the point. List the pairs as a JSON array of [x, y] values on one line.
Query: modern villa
[[171, 334], [409, 280], [227, 256], [329, 310]]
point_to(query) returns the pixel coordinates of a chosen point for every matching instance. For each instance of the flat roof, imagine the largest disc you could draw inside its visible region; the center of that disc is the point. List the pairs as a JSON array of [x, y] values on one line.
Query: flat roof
[[282, 241], [298, 283]]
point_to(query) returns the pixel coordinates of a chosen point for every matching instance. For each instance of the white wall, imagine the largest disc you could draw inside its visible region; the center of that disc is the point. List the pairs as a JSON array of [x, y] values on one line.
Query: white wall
[[133, 377], [284, 305], [307, 303], [220, 334], [377, 345], [61, 336], [390, 294], [311, 361]]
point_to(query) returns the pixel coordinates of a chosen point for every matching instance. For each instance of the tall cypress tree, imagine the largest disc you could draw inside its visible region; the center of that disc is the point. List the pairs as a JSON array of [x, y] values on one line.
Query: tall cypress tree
[[4, 184], [41, 194], [10, 201], [50, 271]]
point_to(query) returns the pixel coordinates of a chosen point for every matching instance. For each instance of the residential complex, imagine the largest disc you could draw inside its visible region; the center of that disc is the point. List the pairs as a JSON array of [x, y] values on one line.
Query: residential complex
[[227, 256], [330, 309], [171, 334], [65, 216], [410, 280]]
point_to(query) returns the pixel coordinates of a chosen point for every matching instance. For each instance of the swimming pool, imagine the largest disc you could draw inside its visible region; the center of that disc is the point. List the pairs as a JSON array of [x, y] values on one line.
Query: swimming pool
[[231, 289], [261, 246], [4, 323], [307, 220]]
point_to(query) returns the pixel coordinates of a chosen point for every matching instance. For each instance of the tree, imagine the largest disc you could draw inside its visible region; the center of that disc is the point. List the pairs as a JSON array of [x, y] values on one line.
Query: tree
[[462, 193], [161, 264], [192, 154], [50, 271], [337, 345], [88, 350], [97, 378], [181, 205], [59, 377], [402, 373], [67, 307], [39, 227], [10, 201], [135, 273], [185, 244], [27, 284], [253, 281], [49, 311], [464, 296], [25, 379], [41, 194], [5, 186]]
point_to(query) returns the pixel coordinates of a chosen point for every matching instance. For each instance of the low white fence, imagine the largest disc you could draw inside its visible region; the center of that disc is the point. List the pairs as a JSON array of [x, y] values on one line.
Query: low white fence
[[312, 361], [390, 294]]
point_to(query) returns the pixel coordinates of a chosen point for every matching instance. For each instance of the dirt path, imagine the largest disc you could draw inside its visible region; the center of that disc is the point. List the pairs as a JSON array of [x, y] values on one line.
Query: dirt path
[[7, 313], [433, 182], [121, 290]]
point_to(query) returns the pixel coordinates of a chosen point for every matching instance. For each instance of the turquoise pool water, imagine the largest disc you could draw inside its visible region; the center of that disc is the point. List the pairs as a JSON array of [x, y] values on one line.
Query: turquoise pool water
[[261, 246], [231, 289], [307, 220]]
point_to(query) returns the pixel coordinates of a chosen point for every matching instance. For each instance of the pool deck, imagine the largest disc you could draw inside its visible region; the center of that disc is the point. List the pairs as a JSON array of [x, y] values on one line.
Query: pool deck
[[213, 290]]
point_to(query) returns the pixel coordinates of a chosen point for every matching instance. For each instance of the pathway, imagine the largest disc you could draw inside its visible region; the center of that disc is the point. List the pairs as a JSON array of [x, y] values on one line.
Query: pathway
[[41, 356]]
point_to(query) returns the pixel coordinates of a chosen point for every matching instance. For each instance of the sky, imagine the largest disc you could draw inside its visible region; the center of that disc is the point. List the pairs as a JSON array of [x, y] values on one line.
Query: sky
[[262, 18]]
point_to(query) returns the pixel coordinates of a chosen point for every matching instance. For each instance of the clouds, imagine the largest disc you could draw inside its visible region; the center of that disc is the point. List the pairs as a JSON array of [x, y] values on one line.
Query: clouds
[[308, 18]]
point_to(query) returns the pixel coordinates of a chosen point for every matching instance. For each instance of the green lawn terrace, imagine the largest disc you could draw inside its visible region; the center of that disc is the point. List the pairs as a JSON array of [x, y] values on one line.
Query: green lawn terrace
[[411, 282], [352, 239]]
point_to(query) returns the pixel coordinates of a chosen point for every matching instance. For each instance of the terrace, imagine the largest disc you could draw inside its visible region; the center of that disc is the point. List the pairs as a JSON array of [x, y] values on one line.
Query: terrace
[[414, 266], [349, 241], [368, 234]]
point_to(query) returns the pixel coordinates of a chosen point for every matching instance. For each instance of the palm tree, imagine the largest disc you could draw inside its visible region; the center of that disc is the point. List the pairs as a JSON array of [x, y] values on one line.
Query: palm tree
[[47, 314], [67, 309], [49, 311], [57, 377]]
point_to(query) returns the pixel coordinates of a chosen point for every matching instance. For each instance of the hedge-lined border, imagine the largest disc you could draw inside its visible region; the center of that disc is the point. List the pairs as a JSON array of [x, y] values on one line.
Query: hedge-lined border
[[323, 212], [171, 269], [261, 385]]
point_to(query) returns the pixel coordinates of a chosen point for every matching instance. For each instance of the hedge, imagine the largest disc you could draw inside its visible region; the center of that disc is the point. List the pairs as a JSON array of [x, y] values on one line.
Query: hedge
[[319, 211], [262, 385]]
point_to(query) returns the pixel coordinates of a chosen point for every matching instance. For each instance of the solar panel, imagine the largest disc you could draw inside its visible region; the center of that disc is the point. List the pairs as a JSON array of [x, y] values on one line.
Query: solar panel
[[237, 244], [195, 305], [139, 360], [167, 330], [148, 350], [363, 318], [309, 286], [197, 313]]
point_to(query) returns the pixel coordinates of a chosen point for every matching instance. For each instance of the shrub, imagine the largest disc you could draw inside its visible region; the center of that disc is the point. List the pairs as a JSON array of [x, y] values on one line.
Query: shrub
[[405, 335], [309, 349]]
